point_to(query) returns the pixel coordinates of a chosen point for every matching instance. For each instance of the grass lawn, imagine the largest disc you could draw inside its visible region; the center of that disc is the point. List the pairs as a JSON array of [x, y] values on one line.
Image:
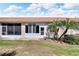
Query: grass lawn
[[38, 48]]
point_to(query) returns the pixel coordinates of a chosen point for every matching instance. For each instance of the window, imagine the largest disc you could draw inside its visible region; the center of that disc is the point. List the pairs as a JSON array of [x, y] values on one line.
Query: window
[[11, 29], [29, 28], [37, 29], [34, 28], [26, 29], [3, 30]]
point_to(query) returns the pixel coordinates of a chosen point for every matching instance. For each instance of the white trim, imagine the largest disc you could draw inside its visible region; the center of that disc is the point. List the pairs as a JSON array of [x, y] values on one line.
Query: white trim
[[31, 28], [0, 30], [28, 35]]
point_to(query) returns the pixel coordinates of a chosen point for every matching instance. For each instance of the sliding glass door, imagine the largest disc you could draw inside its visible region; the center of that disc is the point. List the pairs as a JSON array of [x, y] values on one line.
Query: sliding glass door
[[11, 29], [17, 29], [32, 28]]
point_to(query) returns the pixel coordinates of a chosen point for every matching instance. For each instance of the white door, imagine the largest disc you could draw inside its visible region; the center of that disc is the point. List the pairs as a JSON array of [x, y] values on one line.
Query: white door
[[42, 30]]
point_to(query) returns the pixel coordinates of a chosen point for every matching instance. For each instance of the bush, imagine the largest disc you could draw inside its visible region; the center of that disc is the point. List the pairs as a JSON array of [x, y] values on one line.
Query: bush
[[71, 39]]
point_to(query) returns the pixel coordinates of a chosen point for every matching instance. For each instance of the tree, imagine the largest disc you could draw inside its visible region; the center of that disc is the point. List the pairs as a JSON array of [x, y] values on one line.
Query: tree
[[65, 23]]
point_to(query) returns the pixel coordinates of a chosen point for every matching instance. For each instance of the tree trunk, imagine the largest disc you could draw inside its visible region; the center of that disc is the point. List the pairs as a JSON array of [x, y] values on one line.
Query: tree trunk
[[60, 38], [56, 33]]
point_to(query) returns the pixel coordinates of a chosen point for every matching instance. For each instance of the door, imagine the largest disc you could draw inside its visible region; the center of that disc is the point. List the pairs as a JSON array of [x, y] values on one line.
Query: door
[[32, 30], [42, 30]]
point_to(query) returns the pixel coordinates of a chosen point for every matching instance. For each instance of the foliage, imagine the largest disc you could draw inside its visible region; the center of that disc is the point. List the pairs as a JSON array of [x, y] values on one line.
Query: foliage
[[71, 39], [63, 23]]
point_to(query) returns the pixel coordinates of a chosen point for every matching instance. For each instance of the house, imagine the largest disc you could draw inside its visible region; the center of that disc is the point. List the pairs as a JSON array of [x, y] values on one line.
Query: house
[[26, 27]]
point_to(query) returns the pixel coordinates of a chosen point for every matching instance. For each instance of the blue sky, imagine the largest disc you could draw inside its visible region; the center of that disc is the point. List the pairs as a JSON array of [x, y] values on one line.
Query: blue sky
[[39, 9]]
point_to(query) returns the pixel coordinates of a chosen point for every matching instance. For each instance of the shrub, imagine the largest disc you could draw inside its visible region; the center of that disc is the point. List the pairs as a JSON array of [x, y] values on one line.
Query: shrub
[[71, 39]]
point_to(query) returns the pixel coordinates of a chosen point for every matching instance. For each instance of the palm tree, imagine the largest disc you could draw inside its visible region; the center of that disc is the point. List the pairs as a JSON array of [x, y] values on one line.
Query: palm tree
[[65, 23]]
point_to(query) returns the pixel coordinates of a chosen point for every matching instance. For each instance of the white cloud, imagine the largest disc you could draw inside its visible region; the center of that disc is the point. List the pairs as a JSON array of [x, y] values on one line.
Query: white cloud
[[40, 5], [57, 12], [35, 10], [71, 5], [12, 8], [47, 5]]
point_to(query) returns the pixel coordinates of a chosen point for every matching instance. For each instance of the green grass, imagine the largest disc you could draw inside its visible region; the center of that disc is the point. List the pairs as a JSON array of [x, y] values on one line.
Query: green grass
[[39, 47], [65, 51], [12, 42]]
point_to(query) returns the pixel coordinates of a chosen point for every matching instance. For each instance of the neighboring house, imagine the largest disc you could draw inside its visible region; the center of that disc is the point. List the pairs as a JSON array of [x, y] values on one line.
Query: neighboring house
[[26, 27]]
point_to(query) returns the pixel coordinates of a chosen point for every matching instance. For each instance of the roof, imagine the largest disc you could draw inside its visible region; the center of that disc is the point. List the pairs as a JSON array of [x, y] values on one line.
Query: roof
[[33, 19]]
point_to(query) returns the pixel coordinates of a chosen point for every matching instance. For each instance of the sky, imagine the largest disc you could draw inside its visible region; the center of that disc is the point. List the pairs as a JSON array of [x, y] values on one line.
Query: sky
[[40, 9]]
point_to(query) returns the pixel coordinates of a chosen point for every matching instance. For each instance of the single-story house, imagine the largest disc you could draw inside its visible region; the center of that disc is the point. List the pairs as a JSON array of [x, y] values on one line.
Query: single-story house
[[26, 27]]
